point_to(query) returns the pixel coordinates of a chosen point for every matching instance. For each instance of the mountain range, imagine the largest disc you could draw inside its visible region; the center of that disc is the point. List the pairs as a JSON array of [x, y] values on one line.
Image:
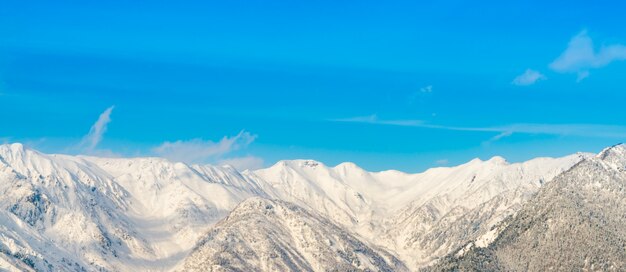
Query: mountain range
[[81, 213]]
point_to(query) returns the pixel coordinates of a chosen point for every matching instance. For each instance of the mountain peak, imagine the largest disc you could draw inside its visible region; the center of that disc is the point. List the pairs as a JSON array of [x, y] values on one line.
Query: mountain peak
[[16, 153], [255, 203], [348, 166], [300, 163], [13, 148], [495, 160], [614, 156], [474, 160], [498, 160], [618, 149], [275, 235], [581, 213]]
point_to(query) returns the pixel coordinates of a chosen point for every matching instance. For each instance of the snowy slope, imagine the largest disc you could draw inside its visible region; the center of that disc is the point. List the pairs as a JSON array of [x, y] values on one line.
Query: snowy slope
[[174, 203], [460, 204], [272, 235], [575, 223], [419, 216], [64, 212], [68, 213], [57, 206]]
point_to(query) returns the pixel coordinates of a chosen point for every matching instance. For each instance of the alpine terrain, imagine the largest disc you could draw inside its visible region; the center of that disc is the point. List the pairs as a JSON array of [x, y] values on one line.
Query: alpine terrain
[[575, 223], [81, 213]]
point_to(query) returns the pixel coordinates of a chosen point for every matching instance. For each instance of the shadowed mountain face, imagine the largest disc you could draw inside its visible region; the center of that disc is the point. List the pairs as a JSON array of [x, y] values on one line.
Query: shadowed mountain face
[[272, 235], [575, 223]]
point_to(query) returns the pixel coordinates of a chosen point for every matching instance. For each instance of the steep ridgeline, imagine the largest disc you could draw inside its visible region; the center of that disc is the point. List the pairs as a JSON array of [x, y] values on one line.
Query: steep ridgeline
[[420, 217], [80, 213], [75, 213], [174, 203], [575, 223], [57, 215], [466, 203], [273, 235]]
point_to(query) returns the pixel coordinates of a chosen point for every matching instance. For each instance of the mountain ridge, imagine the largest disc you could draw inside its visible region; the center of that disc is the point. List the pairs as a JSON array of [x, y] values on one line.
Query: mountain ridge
[[575, 222], [276, 235], [151, 212]]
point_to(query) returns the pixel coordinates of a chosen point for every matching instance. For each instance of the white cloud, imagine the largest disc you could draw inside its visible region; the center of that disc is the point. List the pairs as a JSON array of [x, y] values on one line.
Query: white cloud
[[580, 56], [582, 130], [93, 138], [502, 135], [496, 138], [529, 77], [244, 163], [373, 119], [427, 89], [201, 151], [582, 75], [359, 119]]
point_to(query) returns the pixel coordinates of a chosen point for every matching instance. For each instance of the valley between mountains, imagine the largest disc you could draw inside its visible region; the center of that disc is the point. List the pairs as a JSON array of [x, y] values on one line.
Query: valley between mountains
[[80, 213]]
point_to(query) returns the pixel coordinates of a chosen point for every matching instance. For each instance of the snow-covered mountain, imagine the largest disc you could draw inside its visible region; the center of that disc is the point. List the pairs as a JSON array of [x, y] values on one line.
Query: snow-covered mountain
[[82, 213], [465, 202], [273, 235], [62, 212], [575, 223], [419, 216]]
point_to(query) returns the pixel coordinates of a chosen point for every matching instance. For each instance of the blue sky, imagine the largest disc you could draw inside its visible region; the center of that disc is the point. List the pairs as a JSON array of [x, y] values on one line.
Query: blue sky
[[402, 84]]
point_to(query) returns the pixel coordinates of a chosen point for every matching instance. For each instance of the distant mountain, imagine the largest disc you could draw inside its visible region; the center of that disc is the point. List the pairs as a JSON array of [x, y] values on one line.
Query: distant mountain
[[575, 223], [419, 216], [465, 203], [78, 213], [273, 235]]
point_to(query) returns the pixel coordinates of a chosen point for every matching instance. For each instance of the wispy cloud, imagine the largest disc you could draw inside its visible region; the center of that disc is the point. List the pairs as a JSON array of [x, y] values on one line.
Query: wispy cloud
[[203, 151], [93, 138], [427, 89], [580, 56], [529, 77], [189, 151], [496, 138], [584, 130], [244, 163], [373, 119]]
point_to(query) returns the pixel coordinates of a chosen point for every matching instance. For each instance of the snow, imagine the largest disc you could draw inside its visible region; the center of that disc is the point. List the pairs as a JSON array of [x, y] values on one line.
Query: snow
[[487, 238], [274, 235], [72, 212], [575, 222]]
